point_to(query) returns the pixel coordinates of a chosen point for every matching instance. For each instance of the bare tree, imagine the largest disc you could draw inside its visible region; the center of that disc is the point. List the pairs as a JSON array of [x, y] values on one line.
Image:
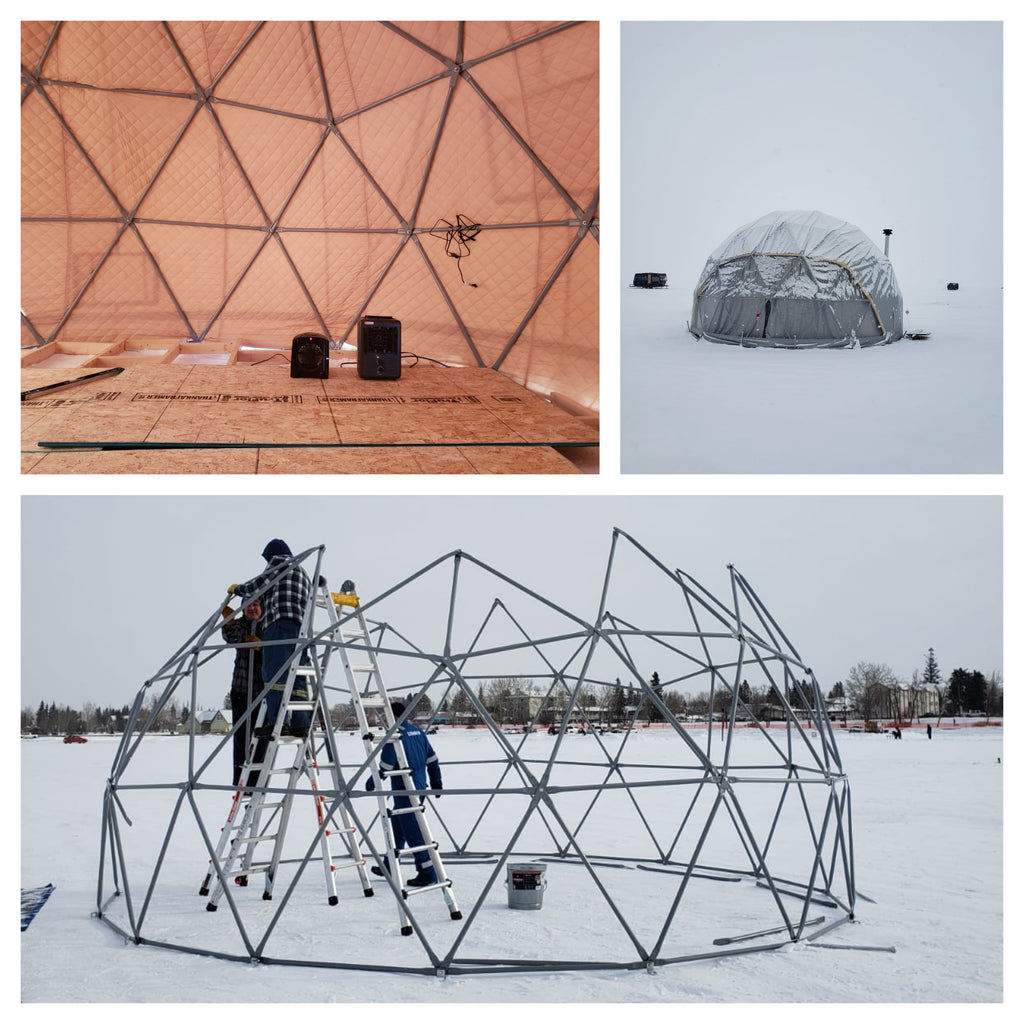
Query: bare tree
[[994, 695], [868, 685], [503, 698], [674, 702], [723, 702]]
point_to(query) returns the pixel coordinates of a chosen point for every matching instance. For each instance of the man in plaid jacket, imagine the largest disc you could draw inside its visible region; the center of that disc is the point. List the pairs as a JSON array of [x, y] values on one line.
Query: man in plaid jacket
[[284, 609]]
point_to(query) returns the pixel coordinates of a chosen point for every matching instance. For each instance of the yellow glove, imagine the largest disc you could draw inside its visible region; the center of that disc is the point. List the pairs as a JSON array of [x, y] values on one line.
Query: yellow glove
[[349, 599], [233, 588]]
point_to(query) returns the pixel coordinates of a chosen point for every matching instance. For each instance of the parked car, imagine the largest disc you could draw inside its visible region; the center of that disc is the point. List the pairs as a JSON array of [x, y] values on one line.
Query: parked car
[[75, 739]]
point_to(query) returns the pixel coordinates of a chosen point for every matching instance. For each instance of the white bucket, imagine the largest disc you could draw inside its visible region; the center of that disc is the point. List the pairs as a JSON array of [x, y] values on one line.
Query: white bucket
[[526, 885]]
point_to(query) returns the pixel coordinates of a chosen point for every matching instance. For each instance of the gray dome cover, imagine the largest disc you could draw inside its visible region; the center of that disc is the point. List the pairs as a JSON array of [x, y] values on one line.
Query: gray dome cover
[[798, 279]]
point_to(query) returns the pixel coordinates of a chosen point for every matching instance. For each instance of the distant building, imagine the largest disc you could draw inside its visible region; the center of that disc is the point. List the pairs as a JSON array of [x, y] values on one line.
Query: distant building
[[521, 708], [838, 708], [209, 723], [909, 701]]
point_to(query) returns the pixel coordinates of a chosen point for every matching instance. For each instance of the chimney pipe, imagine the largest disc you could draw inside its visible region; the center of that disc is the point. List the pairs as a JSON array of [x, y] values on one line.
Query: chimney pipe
[[887, 232]]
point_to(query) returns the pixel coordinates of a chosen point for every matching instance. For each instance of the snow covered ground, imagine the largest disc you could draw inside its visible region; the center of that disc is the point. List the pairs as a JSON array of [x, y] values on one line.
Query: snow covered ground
[[931, 406], [928, 833]]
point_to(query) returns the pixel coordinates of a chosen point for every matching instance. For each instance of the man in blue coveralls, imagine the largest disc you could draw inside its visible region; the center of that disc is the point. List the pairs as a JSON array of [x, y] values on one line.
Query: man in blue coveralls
[[423, 763]]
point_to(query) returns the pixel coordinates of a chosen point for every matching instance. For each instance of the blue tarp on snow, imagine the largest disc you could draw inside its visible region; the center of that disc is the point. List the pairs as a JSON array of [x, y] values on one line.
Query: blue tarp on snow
[[32, 901]]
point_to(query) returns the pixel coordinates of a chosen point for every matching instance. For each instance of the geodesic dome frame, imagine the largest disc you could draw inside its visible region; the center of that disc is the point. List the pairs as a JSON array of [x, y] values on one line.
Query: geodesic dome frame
[[688, 840]]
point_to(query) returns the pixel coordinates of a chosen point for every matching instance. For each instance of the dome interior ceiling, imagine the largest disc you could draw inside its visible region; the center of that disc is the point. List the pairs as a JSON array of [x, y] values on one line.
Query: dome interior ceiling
[[246, 182]]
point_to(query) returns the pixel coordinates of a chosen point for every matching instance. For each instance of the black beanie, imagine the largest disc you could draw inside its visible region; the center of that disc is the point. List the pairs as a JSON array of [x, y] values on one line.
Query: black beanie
[[276, 547]]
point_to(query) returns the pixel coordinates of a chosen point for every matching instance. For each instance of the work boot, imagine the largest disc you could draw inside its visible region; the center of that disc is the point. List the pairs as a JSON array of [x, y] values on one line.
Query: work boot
[[426, 876]]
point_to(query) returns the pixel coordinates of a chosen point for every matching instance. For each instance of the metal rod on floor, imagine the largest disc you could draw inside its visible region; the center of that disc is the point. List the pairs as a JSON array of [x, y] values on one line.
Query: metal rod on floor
[[112, 372]]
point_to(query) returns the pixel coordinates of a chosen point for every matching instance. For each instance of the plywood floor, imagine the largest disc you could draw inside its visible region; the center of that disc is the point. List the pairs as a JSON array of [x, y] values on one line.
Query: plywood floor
[[245, 419]]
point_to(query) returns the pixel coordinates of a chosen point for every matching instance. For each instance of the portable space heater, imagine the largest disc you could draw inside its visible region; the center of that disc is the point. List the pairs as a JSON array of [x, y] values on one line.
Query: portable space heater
[[309, 355], [379, 355]]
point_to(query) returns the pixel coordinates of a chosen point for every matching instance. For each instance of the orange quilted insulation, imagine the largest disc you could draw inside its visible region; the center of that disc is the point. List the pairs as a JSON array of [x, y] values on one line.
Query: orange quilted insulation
[[246, 182]]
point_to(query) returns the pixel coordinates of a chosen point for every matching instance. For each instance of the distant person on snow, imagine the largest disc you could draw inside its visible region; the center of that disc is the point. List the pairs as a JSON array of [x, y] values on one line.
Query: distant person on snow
[[246, 677], [284, 607], [422, 762]]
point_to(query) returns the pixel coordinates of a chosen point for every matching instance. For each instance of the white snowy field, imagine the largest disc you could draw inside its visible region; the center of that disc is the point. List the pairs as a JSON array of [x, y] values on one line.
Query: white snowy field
[[928, 406], [927, 832]]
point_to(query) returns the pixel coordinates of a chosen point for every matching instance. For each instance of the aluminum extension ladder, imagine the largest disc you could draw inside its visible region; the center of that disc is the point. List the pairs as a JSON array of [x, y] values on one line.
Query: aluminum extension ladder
[[368, 693], [252, 843]]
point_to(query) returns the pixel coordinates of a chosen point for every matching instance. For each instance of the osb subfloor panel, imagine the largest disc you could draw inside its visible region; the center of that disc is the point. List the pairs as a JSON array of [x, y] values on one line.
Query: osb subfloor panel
[[432, 420]]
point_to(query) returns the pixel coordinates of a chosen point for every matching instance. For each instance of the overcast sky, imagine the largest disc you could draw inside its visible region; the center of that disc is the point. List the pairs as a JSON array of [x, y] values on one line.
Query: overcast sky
[[113, 586], [882, 124]]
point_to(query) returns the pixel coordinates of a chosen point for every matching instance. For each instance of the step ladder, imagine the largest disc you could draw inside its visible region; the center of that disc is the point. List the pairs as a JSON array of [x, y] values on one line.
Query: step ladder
[[253, 836], [369, 695]]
